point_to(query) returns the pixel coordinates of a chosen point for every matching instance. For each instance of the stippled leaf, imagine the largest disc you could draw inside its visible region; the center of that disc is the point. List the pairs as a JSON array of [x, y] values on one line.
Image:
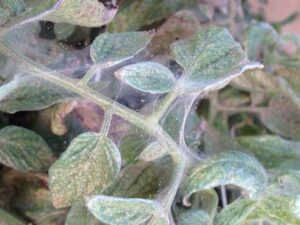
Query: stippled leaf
[[278, 209], [231, 167], [115, 48], [148, 77], [30, 93], [24, 150], [144, 179], [211, 59], [79, 215], [271, 150], [89, 13], [235, 213], [194, 217], [7, 219], [90, 163], [122, 211]]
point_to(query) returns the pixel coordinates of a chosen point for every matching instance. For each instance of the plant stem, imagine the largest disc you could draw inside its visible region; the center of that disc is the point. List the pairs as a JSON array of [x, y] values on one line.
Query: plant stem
[[239, 109], [164, 105], [89, 74], [106, 122], [106, 103]]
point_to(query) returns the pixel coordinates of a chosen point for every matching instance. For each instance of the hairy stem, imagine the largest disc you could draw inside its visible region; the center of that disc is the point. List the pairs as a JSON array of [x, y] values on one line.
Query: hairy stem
[[106, 103], [106, 122], [164, 105], [89, 74]]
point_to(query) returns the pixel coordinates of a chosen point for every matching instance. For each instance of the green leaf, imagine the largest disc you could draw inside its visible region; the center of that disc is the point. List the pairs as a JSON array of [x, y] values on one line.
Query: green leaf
[[7, 219], [30, 93], [256, 81], [91, 13], [271, 150], [145, 12], [282, 117], [147, 77], [144, 179], [210, 59], [122, 211], [287, 181], [115, 48], [79, 215], [90, 164], [194, 217], [15, 7], [235, 213], [133, 143], [24, 150], [158, 221], [260, 39], [63, 30], [231, 167], [278, 209], [4, 17]]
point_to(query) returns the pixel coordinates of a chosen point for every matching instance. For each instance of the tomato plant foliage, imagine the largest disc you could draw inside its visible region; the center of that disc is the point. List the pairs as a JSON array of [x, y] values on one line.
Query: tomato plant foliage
[[146, 112]]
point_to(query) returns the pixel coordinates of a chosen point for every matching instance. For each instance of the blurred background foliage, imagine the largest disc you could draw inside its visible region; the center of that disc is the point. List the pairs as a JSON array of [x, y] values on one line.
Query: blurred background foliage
[[258, 112]]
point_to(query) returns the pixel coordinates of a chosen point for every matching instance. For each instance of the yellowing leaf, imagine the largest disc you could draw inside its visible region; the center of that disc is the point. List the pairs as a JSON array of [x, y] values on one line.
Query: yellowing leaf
[[148, 77], [90, 164], [24, 150]]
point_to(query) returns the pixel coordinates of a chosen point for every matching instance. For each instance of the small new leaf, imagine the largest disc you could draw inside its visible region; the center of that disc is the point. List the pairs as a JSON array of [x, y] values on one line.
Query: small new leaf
[[122, 211], [90, 164], [114, 48], [24, 150], [231, 167], [211, 59], [147, 77]]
